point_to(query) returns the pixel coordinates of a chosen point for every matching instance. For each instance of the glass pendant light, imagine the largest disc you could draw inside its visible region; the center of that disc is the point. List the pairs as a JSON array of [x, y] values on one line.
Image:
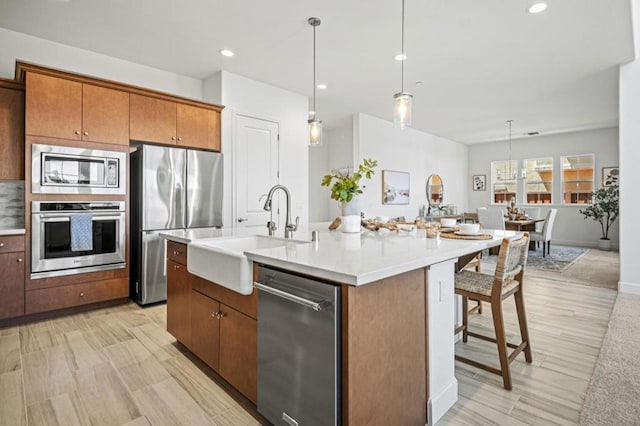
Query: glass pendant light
[[402, 100], [315, 125]]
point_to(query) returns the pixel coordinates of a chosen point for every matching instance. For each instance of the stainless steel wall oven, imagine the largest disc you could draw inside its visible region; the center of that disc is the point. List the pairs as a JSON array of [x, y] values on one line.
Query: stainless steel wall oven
[[52, 237]]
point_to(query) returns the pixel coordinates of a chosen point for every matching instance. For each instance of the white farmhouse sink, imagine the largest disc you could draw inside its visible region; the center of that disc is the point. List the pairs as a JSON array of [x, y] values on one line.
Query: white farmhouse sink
[[222, 260]]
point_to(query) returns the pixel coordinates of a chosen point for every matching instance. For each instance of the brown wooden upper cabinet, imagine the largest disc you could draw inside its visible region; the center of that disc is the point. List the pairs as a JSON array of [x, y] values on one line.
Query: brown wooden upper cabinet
[[67, 109], [11, 133], [162, 121]]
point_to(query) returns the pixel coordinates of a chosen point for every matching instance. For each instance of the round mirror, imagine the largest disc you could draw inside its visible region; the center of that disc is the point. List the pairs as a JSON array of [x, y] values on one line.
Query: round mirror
[[435, 191]]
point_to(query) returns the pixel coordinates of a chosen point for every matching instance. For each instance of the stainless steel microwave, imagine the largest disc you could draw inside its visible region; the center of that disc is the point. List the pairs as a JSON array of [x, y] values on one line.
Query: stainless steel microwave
[[67, 170]]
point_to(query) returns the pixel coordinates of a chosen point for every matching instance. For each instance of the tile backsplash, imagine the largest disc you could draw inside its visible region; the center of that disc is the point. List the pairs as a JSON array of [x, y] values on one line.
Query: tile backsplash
[[12, 202]]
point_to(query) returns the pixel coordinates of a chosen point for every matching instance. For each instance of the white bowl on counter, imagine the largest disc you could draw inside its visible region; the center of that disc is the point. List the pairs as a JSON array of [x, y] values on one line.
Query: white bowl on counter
[[469, 228], [447, 222]]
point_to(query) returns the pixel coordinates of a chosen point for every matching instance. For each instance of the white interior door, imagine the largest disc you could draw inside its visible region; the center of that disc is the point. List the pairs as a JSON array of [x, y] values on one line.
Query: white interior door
[[256, 169]]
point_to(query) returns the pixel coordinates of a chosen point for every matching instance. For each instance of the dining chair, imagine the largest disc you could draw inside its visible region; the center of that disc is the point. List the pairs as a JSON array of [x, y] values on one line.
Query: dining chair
[[545, 234], [469, 217], [507, 281], [490, 218]]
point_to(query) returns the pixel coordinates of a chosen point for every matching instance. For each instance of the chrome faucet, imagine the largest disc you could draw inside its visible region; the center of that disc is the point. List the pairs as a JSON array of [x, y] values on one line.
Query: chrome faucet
[[289, 228], [271, 225]]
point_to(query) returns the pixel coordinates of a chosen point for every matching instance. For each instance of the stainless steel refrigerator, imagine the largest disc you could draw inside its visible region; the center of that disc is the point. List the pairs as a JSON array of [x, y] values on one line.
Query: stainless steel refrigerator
[[171, 188]]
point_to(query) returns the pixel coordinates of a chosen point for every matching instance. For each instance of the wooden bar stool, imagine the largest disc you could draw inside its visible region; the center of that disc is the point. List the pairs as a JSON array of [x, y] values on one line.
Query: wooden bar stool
[[506, 282]]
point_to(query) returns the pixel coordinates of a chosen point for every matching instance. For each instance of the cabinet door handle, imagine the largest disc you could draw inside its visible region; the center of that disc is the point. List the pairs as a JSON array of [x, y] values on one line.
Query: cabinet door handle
[[175, 267], [220, 315], [19, 260], [86, 133], [77, 132], [179, 139], [242, 219], [82, 294], [176, 253], [214, 315], [173, 138], [1, 244]]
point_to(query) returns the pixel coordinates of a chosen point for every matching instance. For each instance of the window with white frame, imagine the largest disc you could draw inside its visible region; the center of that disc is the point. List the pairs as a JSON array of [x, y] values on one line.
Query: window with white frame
[[577, 178], [503, 181], [538, 186]]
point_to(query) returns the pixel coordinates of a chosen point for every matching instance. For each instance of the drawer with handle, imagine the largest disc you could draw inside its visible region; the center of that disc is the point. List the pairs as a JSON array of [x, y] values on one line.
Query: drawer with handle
[[11, 243], [177, 252], [49, 299]]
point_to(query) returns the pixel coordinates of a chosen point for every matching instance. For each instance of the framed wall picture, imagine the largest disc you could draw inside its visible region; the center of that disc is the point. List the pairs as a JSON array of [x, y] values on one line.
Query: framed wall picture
[[610, 176], [395, 187], [479, 182]]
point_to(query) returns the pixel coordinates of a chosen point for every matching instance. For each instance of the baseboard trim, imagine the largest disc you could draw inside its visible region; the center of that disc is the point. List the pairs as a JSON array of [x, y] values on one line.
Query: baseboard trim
[[628, 288], [440, 404], [585, 244]]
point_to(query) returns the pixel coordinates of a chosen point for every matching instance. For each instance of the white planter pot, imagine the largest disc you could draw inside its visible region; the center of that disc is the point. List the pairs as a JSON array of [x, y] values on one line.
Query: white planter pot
[[350, 216], [604, 244]]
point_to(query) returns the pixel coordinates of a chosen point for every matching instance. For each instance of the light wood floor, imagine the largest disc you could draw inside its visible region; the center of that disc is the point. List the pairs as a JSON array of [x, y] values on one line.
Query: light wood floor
[[115, 366], [119, 366], [567, 323]]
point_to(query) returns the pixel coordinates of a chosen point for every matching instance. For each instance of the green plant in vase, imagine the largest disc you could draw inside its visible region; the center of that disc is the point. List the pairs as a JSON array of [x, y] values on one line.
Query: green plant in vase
[[345, 187], [604, 209]]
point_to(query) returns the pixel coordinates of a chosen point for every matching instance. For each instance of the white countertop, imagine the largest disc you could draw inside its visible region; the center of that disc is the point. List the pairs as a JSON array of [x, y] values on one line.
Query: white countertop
[[354, 259], [6, 230]]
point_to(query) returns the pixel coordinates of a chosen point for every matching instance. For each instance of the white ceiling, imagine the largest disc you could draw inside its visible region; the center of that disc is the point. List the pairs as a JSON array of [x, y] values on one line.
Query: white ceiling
[[480, 62]]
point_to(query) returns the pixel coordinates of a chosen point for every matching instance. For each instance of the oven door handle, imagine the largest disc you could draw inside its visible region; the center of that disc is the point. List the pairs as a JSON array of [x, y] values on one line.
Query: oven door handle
[[66, 218]]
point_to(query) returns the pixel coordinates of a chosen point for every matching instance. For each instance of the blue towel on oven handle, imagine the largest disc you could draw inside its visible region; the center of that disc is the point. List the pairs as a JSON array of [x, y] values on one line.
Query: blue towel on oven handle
[[81, 232]]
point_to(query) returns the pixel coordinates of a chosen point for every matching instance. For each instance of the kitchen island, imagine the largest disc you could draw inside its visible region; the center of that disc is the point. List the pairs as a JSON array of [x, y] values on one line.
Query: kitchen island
[[397, 316]]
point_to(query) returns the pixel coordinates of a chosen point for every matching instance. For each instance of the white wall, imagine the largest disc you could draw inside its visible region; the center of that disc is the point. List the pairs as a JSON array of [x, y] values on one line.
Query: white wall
[[413, 151], [17, 46], [629, 112], [336, 152], [570, 227], [241, 95]]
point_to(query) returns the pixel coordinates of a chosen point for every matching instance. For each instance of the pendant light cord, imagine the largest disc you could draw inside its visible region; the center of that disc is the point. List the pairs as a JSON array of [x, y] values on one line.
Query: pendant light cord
[[402, 53], [314, 72]]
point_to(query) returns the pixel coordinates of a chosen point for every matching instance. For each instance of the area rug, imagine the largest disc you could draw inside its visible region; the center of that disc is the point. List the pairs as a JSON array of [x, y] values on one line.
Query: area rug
[[560, 258], [613, 394]]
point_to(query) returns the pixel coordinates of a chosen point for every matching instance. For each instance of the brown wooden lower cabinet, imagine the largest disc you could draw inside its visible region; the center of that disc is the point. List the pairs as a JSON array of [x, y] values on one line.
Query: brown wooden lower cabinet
[[238, 351], [49, 299], [227, 341], [11, 284], [205, 329], [218, 325], [178, 302]]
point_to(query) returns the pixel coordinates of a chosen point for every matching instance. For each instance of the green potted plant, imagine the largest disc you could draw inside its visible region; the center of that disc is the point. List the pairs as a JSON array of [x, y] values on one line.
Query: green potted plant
[[604, 208], [345, 187]]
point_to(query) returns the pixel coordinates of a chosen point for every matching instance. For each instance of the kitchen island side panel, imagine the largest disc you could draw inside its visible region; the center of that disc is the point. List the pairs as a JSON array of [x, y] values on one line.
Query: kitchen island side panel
[[384, 351]]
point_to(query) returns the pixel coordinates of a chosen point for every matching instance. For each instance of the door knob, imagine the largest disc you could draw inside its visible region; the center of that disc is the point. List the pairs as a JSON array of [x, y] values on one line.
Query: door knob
[[242, 219]]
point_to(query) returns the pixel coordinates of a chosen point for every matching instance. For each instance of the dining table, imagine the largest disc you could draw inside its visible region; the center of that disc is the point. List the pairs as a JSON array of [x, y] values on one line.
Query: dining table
[[523, 225]]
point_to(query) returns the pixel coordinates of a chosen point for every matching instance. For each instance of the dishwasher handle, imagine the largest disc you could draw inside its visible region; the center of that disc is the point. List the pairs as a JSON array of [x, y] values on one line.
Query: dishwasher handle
[[316, 306]]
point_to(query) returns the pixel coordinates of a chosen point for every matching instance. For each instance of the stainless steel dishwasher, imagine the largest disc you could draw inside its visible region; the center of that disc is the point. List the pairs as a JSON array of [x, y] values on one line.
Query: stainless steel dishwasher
[[298, 349]]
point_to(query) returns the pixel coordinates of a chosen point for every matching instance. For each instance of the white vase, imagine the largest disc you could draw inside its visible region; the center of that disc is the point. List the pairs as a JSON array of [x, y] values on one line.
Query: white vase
[[604, 244], [350, 216]]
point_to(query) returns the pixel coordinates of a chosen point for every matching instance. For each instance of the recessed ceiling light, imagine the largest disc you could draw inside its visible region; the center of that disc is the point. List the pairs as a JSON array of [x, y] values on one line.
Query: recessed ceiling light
[[321, 86], [400, 57], [537, 7], [226, 52]]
